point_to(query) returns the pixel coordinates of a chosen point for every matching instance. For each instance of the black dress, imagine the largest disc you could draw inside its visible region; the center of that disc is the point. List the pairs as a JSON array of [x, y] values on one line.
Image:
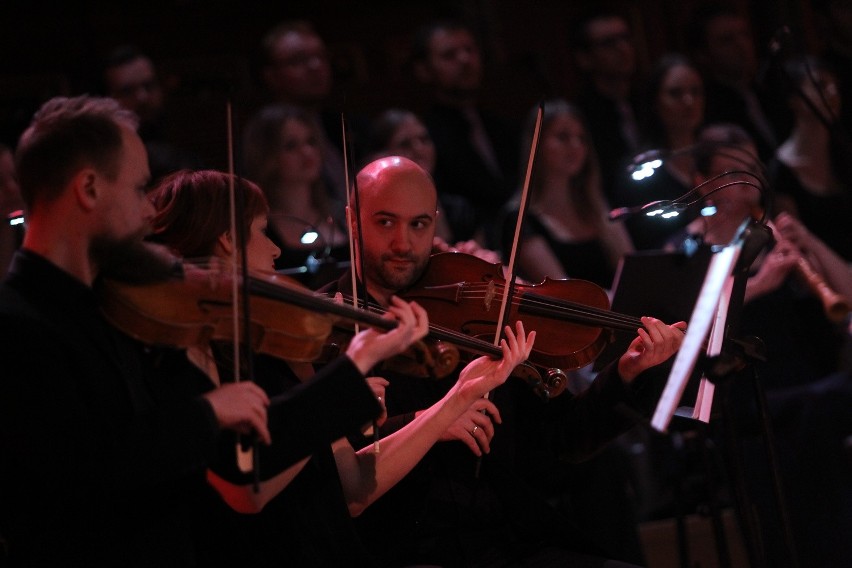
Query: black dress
[[586, 260], [308, 523]]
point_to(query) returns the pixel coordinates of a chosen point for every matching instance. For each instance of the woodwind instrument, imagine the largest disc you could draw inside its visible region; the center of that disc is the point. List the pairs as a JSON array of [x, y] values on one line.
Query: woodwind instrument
[[835, 305]]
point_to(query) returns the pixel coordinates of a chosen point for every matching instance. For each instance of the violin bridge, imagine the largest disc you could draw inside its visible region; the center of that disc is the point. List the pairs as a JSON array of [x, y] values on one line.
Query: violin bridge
[[490, 293]]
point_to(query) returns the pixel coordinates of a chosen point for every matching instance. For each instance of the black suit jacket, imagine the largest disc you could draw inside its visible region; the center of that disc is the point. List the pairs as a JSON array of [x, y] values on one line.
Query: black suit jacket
[[461, 172], [99, 451]]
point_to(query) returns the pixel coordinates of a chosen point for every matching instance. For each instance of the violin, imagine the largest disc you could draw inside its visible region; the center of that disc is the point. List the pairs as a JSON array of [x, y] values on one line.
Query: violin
[[571, 317], [442, 356], [198, 308], [287, 321]]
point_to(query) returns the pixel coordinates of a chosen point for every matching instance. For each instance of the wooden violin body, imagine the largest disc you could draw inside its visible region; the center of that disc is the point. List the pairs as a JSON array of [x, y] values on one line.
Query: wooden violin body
[[571, 317], [286, 321], [198, 308]]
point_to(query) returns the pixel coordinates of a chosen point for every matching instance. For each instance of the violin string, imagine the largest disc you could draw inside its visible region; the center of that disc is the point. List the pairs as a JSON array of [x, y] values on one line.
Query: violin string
[[447, 334], [548, 300], [600, 313], [556, 307]]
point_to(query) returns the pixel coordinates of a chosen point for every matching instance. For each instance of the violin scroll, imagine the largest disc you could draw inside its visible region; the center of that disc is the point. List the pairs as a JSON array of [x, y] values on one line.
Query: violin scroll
[[547, 386]]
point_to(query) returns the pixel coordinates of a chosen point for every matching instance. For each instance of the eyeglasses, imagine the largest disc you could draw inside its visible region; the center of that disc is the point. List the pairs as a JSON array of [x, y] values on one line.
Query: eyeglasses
[[301, 59], [611, 41]]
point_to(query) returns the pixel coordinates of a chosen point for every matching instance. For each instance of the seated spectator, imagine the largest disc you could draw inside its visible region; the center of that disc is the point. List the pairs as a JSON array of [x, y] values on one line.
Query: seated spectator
[[130, 77], [811, 172], [567, 233], [282, 155]]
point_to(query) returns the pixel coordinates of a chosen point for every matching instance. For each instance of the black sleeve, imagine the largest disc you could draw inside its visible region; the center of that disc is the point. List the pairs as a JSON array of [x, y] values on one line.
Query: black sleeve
[[333, 403], [582, 425]]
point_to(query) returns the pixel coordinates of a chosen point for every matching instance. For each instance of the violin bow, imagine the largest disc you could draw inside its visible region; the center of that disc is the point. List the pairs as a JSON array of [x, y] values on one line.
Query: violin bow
[[508, 290], [248, 460], [525, 197], [354, 208]]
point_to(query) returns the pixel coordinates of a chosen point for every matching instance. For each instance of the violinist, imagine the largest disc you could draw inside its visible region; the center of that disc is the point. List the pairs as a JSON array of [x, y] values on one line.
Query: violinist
[[301, 515], [444, 512], [99, 448]]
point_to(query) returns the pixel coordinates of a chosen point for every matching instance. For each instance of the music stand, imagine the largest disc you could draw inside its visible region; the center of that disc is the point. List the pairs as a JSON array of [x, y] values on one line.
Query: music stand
[[721, 275], [655, 283], [666, 285]]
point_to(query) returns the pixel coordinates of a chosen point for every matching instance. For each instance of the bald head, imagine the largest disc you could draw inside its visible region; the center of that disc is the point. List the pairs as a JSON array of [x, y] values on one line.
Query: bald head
[[395, 174], [398, 206]]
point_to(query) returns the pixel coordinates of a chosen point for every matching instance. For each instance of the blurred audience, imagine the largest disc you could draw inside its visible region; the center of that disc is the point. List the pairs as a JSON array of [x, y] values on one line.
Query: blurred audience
[[723, 46], [605, 53], [566, 230], [296, 71], [282, 155], [476, 150], [130, 77], [672, 112], [811, 171]]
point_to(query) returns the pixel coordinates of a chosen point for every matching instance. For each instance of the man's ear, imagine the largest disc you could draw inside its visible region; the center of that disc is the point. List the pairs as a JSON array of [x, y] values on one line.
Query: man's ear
[[226, 243], [85, 185], [350, 219]]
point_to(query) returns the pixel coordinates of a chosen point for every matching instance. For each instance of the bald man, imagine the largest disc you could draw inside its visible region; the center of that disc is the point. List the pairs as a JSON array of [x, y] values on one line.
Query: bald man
[[398, 214], [442, 513]]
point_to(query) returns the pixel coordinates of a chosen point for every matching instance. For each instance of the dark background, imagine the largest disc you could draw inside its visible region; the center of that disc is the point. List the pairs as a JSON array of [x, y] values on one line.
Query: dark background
[[206, 50]]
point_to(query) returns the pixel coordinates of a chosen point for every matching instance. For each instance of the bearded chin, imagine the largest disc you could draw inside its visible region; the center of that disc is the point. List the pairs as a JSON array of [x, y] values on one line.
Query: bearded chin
[[133, 260], [398, 280]]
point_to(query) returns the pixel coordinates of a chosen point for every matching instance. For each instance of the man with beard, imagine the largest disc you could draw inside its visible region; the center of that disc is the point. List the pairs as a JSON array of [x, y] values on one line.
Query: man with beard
[[100, 443], [130, 77], [447, 511], [605, 53], [296, 71], [476, 151]]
